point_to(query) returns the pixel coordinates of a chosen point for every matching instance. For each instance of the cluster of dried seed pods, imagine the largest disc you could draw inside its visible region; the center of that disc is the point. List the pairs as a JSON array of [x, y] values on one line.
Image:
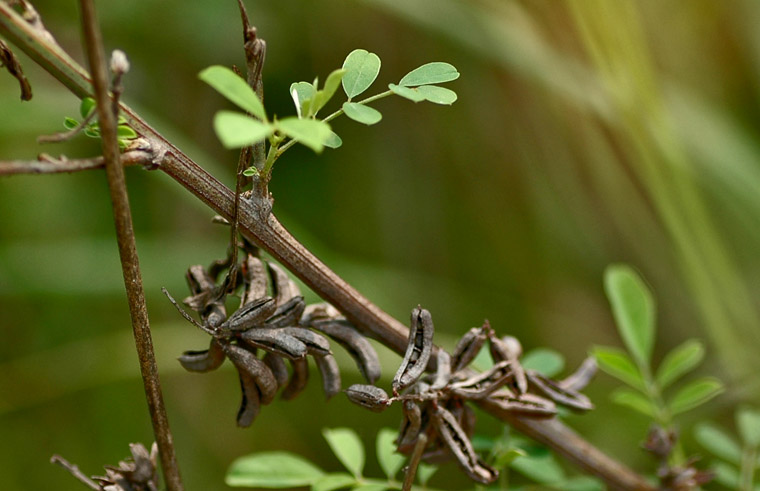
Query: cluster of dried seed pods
[[272, 318], [435, 406]]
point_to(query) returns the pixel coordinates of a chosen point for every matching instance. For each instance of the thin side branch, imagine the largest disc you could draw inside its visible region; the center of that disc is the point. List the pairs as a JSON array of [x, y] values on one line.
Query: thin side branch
[[75, 471], [260, 226], [127, 248], [47, 164]]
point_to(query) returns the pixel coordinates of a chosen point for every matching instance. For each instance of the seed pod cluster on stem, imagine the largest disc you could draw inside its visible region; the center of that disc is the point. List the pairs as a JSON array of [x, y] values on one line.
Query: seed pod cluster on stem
[[436, 412]]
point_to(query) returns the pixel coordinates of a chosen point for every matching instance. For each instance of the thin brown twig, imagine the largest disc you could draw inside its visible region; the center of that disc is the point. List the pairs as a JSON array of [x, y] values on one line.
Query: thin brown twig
[[414, 462], [260, 226], [74, 470], [47, 164], [127, 247]]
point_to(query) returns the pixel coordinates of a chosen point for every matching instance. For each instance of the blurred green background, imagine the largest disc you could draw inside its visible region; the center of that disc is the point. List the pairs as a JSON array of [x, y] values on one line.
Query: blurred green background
[[586, 133]]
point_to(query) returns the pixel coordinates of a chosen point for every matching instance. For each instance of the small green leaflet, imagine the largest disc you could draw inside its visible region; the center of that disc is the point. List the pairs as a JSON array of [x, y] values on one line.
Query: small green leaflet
[[694, 394], [347, 446], [634, 400], [310, 132], [430, 73], [361, 68], [361, 113], [543, 360], [390, 460], [430, 93], [718, 442], [234, 88], [616, 362], [748, 423], [272, 470], [237, 130], [679, 361]]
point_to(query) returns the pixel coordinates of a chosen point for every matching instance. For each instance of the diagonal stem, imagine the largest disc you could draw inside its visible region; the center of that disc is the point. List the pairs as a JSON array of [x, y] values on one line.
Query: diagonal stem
[[259, 225], [127, 248]]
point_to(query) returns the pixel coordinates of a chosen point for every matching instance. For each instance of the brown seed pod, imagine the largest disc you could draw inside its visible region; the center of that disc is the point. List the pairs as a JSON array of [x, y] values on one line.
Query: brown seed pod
[[418, 350], [460, 446], [255, 278], [319, 312], [203, 361], [247, 364], [357, 346], [250, 404], [328, 369], [204, 297], [287, 314], [368, 396], [483, 384], [275, 341], [410, 429], [284, 288], [442, 371], [551, 389], [509, 349], [527, 404], [250, 315], [578, 380], [316, 345], [298, 379], [277, 365], [468, 347]]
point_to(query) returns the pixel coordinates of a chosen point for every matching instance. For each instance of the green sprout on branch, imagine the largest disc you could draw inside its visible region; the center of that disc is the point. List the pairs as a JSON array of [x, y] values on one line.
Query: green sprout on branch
[[359, 71], [92, 128]]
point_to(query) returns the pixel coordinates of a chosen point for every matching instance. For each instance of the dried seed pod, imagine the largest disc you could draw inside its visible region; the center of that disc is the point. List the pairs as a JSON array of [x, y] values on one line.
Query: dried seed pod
[[368, 396], [509, 348], [250, 404], [442, 371], [275, 341], [411, 426], [250, 315], [284, 288], [277, 365], [316, 345], [328, 368], [298, 379], [356, 345], [319, 312], [551, 389], [461, 447], [247, 364], [287, 314], [205, 298], [483, 384], [578, 380], [468, 347], [255, 278], [203, 361], [417, 351], [527, 404]]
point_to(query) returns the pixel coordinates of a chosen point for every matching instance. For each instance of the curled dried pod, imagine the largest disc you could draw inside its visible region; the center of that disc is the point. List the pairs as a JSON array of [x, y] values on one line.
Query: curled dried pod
[[357, 346], [250, 315], [204, 298], [287, 314], [509, 349], [316, 345], [203, 361], [250, 405], [284, 288], [468, 347], [249, 365], [411, 425], [442, 370], [278, 367], [460, 446], [255, 279], [274, 341], [418, 350], [298, 379], [557, 393], [526, 404], [579, 379], [483, 384], [368, 396], [328, 369], [319, 312]]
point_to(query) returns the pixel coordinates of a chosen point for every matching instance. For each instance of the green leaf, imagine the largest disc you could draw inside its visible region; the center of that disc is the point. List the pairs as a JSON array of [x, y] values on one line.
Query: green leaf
[[506, 457], [695, 394], [336, 480], [726, 475], [431, 73], [679, 361], [323, 96], [425, 472], [389, 460], [333, 141], [633, 400], [92, 131], [634, 310], [251, 171], [302, 93], [234, 88], [361, 68], [437, 95], [310, 132], [407, 92], [371, 486], [581, 483], [543, 360], [237, 130], [86, 106], [361, 113], [718, 442], [616, 363], [272, 470], [748, 424], [124, 131], [70, 123], [346, 445], [542, 468]]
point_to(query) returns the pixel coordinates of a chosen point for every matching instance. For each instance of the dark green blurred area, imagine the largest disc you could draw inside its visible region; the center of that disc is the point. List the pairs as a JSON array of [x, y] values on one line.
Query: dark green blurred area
[[586, 133]]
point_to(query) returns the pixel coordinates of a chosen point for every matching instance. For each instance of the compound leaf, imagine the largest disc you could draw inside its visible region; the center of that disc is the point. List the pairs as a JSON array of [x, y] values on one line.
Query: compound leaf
[[234, 88], [430, 73], [361, 68]]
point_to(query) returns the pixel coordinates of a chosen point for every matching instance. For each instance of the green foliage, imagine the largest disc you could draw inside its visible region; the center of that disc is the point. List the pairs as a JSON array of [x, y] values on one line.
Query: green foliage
[[124, 132], [360, 70], [284, 469], [738, 463], [543, 360]]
